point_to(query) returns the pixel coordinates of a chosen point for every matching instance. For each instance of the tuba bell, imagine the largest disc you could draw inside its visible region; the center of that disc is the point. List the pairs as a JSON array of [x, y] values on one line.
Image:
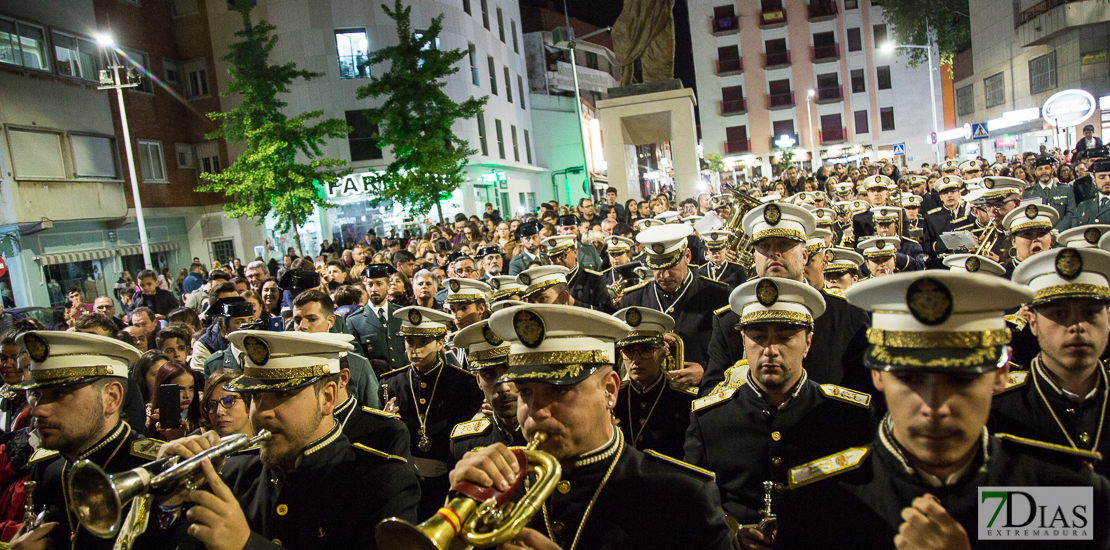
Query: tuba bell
[[98, 498], [479, 516]]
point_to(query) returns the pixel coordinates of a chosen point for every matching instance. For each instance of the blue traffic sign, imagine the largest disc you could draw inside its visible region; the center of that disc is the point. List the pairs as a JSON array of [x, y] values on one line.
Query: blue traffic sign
[[899, 149], [979, 131]]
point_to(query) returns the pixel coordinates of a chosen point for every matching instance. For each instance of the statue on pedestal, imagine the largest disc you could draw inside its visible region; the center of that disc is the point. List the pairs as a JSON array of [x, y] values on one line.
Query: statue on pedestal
[[645, 31]]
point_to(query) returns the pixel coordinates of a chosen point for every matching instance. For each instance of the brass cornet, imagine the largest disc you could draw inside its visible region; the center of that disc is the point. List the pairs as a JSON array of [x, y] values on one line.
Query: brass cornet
[[477, 515], [676, 360], [98, 498], [990, 238]]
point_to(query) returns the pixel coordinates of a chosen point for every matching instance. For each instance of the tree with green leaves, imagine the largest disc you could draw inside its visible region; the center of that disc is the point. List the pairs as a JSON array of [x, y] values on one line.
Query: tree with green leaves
[[786, 159], [713, 164], [417, 116], [268, 177], [945, 23]]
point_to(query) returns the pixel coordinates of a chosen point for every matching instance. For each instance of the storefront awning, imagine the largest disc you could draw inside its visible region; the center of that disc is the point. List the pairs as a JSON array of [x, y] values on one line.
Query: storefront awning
[[154, 247], [73, 257]]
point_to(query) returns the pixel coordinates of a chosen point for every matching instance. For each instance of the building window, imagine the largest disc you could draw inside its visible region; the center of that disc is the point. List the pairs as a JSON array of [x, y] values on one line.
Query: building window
[[361, 139], [1042, 73], [153, 165], [508, 86], [197, 79], [23, 44], [485, 15], [516, 146], [482, 134], [880, 35], [861, 122], [995, 91], [492, 75], [474, 65], [353, 48], [223, 251], [855, 43], [783, 128], [886, 118], [527, 148], [186, 156], [466, 6], [736, 139], [859, 81], [500, 25], [172, 70], [76, 56], [94, 157], [208, 157], [965, 100], [433, 45], [140, 62], [500, 137], [883, 77], [591, 60], [516, 45], [520, 88], [36, 154], [851, 4]]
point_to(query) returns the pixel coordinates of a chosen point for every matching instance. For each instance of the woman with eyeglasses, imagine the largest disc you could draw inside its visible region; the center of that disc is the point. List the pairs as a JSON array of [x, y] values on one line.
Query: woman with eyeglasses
[[225, 412]]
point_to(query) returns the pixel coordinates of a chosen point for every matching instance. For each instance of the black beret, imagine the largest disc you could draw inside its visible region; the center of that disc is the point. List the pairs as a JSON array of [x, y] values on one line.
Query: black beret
[[567, 220], [486, 251], [378, 271], [1100, 165], [230, 307], [299, 279], [1044, 160], [528, 228]]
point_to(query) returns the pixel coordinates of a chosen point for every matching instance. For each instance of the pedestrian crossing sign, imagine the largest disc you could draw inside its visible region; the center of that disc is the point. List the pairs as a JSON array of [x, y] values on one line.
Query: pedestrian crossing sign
[[979, 131], [899, 149]]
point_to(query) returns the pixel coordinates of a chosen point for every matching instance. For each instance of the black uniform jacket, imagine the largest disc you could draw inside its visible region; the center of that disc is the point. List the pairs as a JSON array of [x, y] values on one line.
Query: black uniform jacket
[[858, 503], [450, 396], [729, 273], [647, 502], [744, 441], [483, 432], [587, 287], [691, 306], [334, 498], [835, 356], [657, 417], [1035, 407], [119, 451]]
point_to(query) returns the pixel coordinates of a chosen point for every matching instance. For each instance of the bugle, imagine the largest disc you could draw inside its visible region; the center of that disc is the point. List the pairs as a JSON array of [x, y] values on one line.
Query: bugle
[[98, 498], [989, 239], [677, 360], [480, 516]]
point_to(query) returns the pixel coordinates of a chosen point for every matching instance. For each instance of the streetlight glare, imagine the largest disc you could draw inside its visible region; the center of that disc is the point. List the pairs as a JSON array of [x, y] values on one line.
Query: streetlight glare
[[888, 47], [811, 93], [104, 39]]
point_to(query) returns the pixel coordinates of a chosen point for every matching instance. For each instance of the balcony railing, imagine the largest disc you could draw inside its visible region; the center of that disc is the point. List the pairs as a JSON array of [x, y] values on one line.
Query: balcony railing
[[834, 135], [822, 10], [771, 18], [826, 53], [730, 66], [776, 59], [734, 106], [1039, 8], [738, 146], [725, 25], [830, 94], [779, 101]]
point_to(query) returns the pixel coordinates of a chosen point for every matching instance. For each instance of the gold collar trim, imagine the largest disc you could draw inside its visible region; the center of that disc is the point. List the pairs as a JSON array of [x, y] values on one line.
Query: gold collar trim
[[326, 440], [607, 451]]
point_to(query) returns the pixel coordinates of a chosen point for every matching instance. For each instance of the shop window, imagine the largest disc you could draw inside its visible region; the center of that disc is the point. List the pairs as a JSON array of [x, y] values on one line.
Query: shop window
[[993, 87], [363, 145], [87, 277], [152, 163], [353, 48]]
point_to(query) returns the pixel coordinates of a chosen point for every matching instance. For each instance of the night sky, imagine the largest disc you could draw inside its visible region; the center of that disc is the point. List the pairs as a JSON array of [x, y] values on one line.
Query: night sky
[[604, 13]]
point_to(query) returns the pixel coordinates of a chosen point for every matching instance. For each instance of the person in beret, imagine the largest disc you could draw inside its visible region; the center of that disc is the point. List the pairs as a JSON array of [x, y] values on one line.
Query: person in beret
[[229, 313], [773, 414], [492, 260], [938, 358], [562, 359], [76, 386], [308, 485], [1058, 195], [530, 236], [1097, 208], [375, 326]]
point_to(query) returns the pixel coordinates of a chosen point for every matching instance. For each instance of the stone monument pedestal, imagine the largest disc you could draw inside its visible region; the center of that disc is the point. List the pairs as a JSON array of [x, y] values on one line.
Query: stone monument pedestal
[[649, 113]]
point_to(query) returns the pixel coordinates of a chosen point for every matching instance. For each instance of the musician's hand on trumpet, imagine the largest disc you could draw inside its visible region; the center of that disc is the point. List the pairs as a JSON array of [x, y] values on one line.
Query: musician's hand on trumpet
[[217, 520], [690, 373], [40, 538], [493, 466], [750, 538], [530, 539], [186, 448]]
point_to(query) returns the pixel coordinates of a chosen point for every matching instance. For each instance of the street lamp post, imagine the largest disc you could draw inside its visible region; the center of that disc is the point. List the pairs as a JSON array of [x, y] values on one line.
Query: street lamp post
[[110, 80], [889, 48], [570, 46], [813, 160]]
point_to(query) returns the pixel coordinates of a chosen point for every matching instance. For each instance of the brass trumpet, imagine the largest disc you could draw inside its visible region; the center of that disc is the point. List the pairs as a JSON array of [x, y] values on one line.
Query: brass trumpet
[[989, 239], [477, 515], [769, 525], [98, 498], [31, 521], [676, 360]]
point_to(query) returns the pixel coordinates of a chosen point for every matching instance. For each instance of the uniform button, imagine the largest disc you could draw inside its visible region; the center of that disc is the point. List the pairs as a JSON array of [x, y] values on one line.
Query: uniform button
[[558, 527], [1085, 437], [277, 542], [766, 413], [776, 461], [643, 421], [778, 487], [282, 509], [423, 384], [776, 436], [1071, 411], [422, 400], [563, 486], [643, 405]]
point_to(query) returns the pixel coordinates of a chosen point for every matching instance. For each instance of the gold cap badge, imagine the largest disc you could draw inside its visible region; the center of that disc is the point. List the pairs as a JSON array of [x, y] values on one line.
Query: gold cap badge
[[929, 301]]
